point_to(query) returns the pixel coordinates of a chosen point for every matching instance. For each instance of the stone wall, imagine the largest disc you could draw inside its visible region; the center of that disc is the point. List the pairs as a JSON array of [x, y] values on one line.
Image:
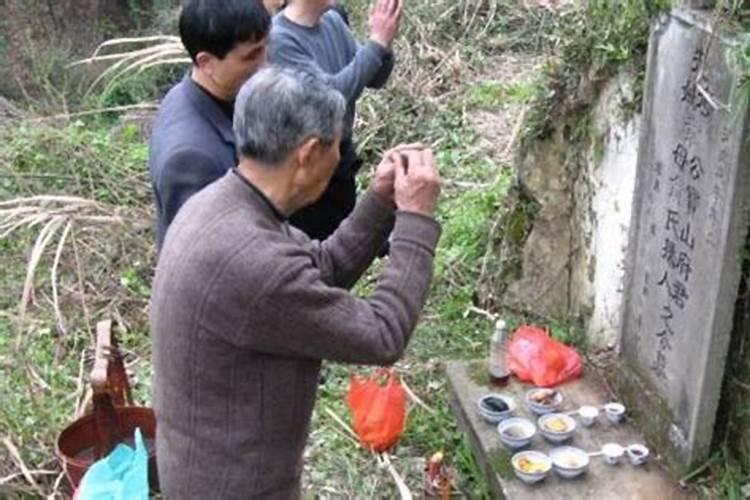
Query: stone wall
[[582, 177], [604, 201]]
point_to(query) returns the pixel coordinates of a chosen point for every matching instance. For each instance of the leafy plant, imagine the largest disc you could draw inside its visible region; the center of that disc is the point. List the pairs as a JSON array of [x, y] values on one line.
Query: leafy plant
[[593, 42], [738, 59]]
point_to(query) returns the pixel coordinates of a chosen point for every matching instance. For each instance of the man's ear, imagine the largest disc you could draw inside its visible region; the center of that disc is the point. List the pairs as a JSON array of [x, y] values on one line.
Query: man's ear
[[205, 62], [307, 153]]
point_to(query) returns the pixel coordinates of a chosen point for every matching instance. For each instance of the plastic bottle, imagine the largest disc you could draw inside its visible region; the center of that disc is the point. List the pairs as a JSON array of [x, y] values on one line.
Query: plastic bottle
[[499, 373]]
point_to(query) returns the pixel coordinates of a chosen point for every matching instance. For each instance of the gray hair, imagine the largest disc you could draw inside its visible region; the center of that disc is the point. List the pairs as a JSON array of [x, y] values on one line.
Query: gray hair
[[279, 108]]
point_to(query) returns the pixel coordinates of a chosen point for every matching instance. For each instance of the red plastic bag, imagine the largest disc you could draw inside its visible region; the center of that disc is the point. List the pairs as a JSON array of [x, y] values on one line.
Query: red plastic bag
[[379, 410], [535, 357]]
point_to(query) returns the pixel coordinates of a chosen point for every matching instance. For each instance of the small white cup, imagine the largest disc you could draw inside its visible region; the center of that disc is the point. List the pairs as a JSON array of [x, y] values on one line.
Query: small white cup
[[638, 454], [613, 452], [615, 412], [588, 415]]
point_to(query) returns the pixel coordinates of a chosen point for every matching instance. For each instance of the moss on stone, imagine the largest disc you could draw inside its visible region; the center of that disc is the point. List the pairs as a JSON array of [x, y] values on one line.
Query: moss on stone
[[651, 413], [505, 253], [598, 148], [477, 371], [499, 459]]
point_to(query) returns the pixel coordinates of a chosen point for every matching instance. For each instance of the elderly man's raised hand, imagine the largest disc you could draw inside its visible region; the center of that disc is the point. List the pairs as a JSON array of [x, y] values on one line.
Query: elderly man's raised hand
[[384, 177], [385, 173], [384, 22], [417, 181]]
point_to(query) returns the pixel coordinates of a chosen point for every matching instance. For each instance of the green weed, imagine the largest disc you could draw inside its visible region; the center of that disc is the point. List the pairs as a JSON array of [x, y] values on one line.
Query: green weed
[[493, 94], [594, 43]]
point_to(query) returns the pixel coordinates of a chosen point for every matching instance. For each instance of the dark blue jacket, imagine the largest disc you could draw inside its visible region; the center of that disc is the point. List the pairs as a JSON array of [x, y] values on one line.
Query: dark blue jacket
[[192, 145]]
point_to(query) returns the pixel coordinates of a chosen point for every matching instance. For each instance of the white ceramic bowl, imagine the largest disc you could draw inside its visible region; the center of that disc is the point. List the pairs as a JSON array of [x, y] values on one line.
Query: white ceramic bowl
[[615, 412], [569, 462], [588, 415], [637, 453], [516, 432], [556, 436], [493, 416], [612, 452], [545, 465], [542, 409]]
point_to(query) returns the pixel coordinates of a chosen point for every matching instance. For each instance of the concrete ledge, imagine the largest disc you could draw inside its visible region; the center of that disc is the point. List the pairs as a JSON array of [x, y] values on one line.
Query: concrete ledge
[[467, 382]]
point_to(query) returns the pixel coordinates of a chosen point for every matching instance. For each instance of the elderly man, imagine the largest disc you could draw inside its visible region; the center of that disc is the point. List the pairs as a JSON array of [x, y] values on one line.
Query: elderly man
[[193, 143], [245, 307]]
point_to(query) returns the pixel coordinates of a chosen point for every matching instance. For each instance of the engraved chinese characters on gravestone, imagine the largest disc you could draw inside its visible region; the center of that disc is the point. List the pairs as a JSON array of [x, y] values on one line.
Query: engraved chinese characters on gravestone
[[688, 229]]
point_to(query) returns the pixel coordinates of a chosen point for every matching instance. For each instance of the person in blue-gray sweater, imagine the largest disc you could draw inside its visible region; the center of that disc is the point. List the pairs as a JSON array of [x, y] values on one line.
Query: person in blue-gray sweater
[[193, 142], [312, 35]]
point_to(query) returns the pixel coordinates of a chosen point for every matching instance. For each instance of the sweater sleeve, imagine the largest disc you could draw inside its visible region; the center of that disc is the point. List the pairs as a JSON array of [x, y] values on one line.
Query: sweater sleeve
[[299, 315], [344, 256], [382, 76], [288, 50]]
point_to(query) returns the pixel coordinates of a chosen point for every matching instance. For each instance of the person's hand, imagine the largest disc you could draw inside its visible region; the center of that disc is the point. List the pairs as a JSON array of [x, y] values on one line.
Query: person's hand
[[384, 22], [385, 172], [385, 175], [417, 183]]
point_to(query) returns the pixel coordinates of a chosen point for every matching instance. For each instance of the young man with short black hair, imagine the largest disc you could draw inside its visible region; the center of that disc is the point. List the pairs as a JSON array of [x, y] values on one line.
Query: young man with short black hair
[[193, 142]]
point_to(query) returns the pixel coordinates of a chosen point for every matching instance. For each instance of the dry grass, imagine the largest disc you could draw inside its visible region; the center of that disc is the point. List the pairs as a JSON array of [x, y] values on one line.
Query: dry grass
[[151, 51]]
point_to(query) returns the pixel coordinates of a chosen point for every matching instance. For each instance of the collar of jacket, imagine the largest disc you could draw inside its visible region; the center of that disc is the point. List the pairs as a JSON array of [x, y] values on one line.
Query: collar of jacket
[[210, 109]]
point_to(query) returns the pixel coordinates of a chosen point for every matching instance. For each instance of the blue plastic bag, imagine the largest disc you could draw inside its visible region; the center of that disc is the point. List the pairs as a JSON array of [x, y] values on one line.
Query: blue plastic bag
[[121, 475]]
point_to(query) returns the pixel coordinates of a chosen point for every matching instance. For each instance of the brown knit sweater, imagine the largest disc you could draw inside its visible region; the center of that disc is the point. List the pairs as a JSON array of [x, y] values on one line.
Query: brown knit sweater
[[244, 308]]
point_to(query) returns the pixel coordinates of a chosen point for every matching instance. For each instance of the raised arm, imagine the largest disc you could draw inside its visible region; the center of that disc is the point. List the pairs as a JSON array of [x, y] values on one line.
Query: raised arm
[[385, 21], [286, 50], [372, 62], [331, 323], [382, 76], [328, 322], [349, 251]]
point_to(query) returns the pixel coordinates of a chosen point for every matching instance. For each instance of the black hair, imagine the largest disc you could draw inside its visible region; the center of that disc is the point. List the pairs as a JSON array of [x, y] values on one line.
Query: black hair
[[216, 26]]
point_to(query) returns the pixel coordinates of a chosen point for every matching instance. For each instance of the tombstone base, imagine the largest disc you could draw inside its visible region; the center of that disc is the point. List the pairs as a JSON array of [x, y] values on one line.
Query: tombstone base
[[468, 381], [652, 416]]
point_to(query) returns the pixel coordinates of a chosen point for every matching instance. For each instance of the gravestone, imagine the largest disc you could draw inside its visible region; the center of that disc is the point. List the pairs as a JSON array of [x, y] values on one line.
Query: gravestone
[[689, 223]]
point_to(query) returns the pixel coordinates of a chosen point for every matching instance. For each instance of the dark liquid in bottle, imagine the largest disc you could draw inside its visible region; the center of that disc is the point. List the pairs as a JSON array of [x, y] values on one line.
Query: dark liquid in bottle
[[500, 381]]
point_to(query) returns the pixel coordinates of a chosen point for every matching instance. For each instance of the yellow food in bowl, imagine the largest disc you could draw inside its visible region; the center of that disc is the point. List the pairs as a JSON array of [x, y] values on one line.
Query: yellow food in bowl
[[556, 424], [529, 466]]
